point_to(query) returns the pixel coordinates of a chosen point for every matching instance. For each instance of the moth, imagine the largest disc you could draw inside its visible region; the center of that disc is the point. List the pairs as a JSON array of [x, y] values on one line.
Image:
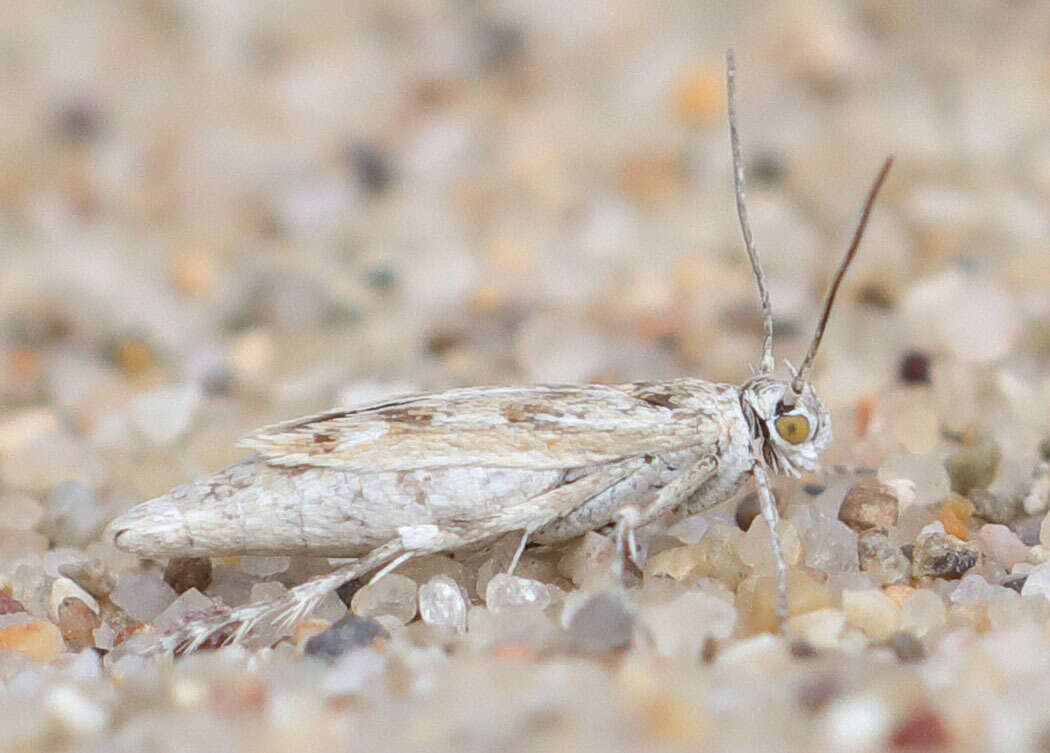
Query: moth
[[439, 472]]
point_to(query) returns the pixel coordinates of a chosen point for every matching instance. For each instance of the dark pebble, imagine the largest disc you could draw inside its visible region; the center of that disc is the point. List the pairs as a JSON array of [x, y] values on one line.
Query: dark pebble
[[921, 730], [346, 591], [767, 168], [941, 556], [370, 167], [814, 490], [350, 632], [1016, 582], [995, 508], [1044, 449], [746, 511], [501, 44], [601, 624], [974, 467], [815, 693], [915, 368], [1028, 529], [184, 573], [907, 647], [800, 648]]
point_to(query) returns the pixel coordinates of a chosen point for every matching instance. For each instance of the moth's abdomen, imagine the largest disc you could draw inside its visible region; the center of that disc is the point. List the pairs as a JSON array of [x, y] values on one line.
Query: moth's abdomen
[[257, 508]]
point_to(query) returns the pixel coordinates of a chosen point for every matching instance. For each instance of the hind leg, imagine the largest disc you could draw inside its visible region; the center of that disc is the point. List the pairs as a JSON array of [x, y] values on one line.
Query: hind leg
[[285, 611]]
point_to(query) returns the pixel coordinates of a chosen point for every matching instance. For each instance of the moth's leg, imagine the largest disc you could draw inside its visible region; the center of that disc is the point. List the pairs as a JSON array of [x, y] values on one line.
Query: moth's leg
[[769, 512], [518, 552], [681, 486], [285, 611]]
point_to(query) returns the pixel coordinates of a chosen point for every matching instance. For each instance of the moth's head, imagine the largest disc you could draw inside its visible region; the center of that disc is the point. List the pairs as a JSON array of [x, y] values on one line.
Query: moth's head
[[786, 416], [793, 427]]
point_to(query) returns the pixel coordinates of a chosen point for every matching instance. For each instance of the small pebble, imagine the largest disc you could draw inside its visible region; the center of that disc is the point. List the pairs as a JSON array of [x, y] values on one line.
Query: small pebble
[[822, 628], [921, 730], [1044, 449], [393, 594], [878, 557], [348, 633], [680, 627], [77, 622], [923, 612], [1038, 581], [869, 505], [915, 368], [995, 508], [974, 467], [142, 596], [954, 513], [65, 588], [441, 602], [939, 555], [907, 647], [507, 591], [93, 576], [73, 514], [1015, 582], [184, 573], [872, 611], [1002, 544], [746, 511], [603, 622], [40, 640]]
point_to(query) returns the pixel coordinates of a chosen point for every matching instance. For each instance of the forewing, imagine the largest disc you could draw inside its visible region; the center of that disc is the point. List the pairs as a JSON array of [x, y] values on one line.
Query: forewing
[[545, 427]]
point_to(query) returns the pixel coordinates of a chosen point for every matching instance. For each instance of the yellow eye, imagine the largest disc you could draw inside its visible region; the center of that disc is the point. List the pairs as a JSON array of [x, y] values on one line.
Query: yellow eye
[[793, 429]]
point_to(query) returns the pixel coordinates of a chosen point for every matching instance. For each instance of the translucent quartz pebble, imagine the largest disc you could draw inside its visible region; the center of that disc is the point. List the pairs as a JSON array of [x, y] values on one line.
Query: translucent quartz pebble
[[441, 603], [829, 544], [756, 550], [393, 594], [187, 603], [1038, 581], [971, 589], [527, 626], [73, 514], [926, 475], [506, 591], [142, 596], [263, 567], [163, 414], [680, 627], [1003, 544]]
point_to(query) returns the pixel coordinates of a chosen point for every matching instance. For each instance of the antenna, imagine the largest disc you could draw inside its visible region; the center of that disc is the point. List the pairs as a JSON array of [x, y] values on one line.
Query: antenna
[[767, 364], [796, 383]]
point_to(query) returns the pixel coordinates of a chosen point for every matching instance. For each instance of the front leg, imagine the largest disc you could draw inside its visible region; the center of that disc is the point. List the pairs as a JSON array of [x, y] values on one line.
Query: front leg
[[679, 489]]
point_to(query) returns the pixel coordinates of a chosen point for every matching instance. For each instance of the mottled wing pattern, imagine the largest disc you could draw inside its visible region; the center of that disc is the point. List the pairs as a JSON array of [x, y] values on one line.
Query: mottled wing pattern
[[548, 427]]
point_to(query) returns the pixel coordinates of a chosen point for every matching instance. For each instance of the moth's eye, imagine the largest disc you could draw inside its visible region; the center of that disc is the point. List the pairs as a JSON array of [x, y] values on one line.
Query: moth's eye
[[793, 429]]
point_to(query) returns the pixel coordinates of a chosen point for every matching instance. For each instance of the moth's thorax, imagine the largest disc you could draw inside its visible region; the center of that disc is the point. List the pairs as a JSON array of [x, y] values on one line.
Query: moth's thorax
[[793, 430]]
